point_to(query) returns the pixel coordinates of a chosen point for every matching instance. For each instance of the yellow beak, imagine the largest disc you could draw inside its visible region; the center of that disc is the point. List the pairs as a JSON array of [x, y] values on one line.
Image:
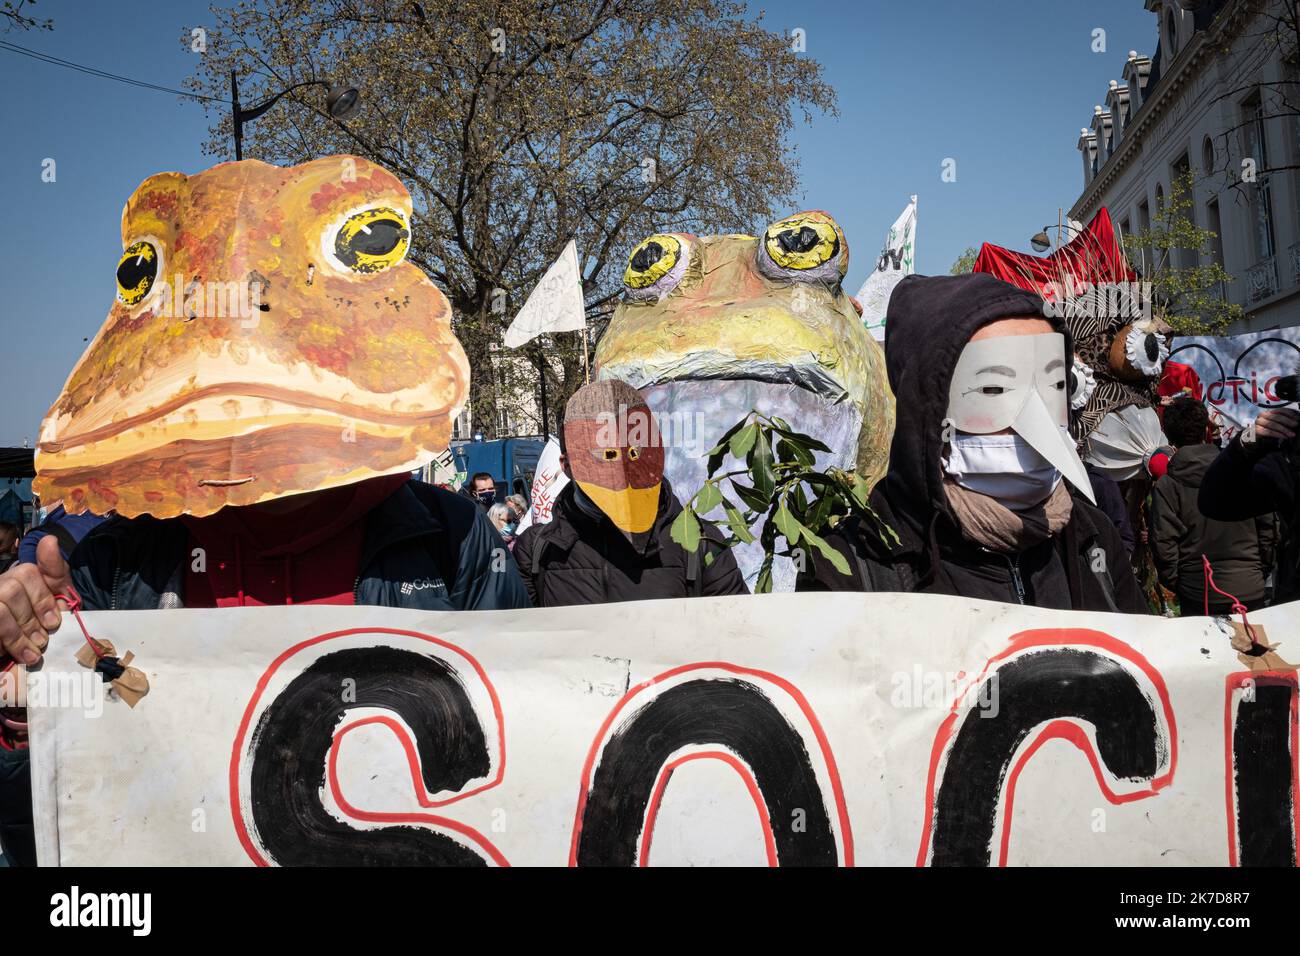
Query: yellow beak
[[631, 509]]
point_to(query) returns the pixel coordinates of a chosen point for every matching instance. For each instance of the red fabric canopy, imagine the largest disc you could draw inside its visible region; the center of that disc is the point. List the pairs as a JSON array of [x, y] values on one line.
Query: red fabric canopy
[[1093, 256]]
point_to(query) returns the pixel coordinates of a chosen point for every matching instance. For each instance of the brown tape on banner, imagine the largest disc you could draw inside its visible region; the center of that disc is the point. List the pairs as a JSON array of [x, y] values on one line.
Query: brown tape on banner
[[86, 655], [1257, 655], [131, 686]]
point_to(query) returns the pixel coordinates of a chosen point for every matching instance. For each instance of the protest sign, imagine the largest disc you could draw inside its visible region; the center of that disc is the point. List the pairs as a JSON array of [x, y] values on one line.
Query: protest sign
[[1238, 372], [549, 480], [791, 729]]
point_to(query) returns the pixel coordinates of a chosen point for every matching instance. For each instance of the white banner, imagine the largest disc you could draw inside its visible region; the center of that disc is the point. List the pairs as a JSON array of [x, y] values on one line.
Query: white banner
[[548, 481], [898, 259], [792, 729], [1238, 372], [555, 305]]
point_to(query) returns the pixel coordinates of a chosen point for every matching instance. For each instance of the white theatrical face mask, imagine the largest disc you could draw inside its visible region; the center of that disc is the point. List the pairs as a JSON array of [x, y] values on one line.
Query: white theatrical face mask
[[1019, 382]]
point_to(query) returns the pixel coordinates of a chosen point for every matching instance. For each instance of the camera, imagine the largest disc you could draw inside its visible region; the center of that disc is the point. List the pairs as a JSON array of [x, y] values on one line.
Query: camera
[[1287, 388]]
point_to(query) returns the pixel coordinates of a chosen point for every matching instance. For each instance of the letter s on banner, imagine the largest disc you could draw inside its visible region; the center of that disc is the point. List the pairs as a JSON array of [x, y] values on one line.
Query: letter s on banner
[[286, 798], [1077, 685], [757, 723]]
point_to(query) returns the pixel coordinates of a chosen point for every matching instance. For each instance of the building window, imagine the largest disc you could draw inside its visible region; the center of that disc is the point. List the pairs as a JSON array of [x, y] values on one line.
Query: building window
[[1144, 227], [1207, 156], [1171, 34], [1183, 189], [1255, 147], [1215, 224]]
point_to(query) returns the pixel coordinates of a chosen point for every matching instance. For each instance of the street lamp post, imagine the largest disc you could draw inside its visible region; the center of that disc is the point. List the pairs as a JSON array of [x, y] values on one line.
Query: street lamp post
[[340, 100], [1042, 242]]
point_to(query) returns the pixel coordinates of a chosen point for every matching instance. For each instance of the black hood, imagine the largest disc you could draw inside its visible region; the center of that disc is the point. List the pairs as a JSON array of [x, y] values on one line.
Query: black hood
[[929, 321]]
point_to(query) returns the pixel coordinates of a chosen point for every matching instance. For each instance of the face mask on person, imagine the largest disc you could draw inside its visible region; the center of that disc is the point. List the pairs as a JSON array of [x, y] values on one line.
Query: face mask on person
[[1015, 382], [615, 455], [486, 498], [1004, 467]]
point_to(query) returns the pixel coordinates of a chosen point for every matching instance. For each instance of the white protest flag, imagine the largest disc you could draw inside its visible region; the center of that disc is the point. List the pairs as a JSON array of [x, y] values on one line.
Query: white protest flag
[[897, 259], [548, 480], [555, 305]]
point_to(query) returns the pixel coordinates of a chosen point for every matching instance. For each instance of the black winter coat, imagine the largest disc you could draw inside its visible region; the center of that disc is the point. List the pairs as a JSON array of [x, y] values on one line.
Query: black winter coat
[[1083, 568], [575, 559], [1240, 552], [1245, 482], [423, 547]]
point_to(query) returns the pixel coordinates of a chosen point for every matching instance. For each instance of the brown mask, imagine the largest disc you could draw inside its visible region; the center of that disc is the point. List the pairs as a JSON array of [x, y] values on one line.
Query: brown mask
[[615, 453]]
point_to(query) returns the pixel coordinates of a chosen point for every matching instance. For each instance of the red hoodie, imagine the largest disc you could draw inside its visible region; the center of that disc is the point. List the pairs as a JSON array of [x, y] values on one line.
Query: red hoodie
[[309, 555]]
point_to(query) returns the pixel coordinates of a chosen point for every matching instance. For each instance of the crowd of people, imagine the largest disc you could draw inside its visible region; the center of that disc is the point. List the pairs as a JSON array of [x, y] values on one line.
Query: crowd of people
[[985, 494]]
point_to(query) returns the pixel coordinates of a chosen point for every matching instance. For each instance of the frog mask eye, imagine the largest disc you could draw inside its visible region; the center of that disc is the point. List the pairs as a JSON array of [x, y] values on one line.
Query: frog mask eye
[[138, 270], [805, 247], [656, 266], [368, 241]]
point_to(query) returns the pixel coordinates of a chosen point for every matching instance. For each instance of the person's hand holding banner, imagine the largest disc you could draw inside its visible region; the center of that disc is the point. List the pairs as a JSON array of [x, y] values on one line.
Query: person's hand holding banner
[[28, 610]]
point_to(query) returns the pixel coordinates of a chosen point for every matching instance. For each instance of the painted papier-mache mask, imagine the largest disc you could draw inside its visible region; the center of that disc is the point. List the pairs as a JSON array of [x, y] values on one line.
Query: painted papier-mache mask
[[269, 338], [614, 451], [712, 327]]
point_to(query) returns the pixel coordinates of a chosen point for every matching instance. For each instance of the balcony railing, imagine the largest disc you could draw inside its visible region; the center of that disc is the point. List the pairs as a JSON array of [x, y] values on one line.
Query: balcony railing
[[1261, 280]]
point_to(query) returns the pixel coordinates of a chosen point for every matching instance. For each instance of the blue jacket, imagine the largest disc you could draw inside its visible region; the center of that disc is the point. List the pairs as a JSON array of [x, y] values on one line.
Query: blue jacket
[[69, 529], [423, 548]]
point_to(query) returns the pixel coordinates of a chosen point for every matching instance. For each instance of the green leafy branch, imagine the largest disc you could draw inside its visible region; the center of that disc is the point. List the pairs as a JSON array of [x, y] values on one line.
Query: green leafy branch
[[779, 483]]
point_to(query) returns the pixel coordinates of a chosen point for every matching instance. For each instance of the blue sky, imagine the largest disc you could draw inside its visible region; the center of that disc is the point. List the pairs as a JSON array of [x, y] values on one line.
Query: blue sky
[[1002, 88]]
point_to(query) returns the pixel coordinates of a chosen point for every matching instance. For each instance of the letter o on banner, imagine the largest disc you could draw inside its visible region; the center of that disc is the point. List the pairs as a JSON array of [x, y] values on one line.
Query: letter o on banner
[[757, 723]]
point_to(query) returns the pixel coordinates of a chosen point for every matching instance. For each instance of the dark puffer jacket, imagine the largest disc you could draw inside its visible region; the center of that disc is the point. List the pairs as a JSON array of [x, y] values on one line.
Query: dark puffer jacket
[[1085, 567], [1259, 479], [1240, 552], [576, 559]]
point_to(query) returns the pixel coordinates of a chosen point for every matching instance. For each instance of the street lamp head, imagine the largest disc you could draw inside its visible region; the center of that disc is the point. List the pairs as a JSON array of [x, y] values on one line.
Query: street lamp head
[[342, 101], [1040, 242]]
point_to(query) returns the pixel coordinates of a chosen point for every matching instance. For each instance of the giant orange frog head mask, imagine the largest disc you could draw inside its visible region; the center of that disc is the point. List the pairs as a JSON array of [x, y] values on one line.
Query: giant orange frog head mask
[[269, 338]]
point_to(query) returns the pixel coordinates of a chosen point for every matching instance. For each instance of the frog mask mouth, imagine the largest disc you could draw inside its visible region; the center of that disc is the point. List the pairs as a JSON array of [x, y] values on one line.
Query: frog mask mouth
[[269, 338]]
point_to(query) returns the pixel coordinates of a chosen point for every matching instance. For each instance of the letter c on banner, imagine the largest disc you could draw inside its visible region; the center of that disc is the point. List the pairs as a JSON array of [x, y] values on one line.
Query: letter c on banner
[[286, 798], [1051, 684], [757, 723]]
